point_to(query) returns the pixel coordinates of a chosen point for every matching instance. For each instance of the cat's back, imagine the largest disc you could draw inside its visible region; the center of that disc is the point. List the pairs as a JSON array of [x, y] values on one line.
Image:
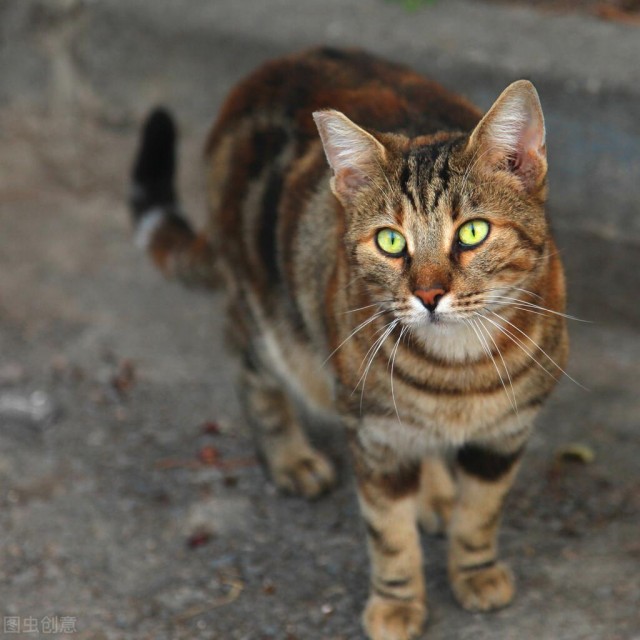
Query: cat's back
[[377, 93], [264, 145]]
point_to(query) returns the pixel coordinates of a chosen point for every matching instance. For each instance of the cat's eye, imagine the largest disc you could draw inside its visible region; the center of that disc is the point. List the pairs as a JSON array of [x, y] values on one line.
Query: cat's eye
[[472, 233], [391, 242]]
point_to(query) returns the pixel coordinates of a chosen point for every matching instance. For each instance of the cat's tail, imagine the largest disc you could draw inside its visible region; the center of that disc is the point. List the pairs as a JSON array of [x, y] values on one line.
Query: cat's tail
[[160, 227]]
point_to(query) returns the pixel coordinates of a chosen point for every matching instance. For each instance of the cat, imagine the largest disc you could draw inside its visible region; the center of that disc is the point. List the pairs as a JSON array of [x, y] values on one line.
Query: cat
[[386, 254]]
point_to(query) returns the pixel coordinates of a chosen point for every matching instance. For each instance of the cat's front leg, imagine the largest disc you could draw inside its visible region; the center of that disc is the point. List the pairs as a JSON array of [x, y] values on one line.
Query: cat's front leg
[[484, 475], [388, 491], [294, 465]]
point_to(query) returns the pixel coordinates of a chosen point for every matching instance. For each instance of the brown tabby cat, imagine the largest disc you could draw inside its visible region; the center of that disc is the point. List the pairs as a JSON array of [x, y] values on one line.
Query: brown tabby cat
[[412, 286]]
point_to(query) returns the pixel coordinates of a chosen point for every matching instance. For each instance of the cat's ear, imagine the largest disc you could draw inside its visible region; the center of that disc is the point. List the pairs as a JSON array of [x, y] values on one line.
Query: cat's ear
[[511, 136], [354, 154]]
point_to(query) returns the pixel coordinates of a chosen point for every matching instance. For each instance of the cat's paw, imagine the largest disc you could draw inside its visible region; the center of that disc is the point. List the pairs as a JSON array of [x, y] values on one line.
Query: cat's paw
[[386, 619], [484, 589], [309, 475]]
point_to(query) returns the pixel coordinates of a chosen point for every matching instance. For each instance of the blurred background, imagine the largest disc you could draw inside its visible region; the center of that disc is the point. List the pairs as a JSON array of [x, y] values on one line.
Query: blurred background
[[132, 502]]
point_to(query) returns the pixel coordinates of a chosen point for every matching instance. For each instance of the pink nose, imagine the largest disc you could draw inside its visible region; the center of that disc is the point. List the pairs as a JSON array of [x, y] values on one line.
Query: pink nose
[[430, 297]]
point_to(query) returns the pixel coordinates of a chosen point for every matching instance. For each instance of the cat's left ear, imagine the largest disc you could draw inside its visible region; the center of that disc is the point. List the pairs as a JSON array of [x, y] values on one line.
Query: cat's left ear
[[511, 136], [355, 156]]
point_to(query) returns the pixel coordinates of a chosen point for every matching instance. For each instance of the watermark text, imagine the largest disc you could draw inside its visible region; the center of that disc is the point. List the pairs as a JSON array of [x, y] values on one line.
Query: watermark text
[[47, 624]]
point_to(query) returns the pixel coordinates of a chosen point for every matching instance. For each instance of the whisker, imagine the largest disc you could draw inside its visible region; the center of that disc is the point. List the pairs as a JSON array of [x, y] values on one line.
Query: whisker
[[509, 287], [540, 348], [547, 255], [518, 343], [394, 353], [513, 400], [511, 302], [468, 321], [531, 293], [522, 307], [377, 344], [531, 305], [375, 304], [378, 333], [361, 326], [487, 350]]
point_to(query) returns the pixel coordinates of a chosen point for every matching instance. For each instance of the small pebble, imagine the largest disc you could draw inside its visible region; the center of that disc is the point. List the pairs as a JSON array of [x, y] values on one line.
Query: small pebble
[[36, 407], [211, 428], [199, 539], [209, 455]]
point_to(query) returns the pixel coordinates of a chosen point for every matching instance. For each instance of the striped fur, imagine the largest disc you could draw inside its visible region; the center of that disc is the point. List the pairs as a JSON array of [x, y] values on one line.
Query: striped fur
[[320, 315]]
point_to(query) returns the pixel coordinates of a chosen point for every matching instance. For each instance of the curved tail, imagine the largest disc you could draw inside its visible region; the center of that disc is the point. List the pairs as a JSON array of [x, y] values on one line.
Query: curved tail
[[160, 227]]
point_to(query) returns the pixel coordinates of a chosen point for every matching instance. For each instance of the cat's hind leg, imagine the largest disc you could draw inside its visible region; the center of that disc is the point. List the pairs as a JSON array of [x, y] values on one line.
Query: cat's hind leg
[[437, 495], [294, 465]]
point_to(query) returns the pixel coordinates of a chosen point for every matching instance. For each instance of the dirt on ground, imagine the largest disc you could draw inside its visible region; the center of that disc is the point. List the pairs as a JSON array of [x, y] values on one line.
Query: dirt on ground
[[132, 499]]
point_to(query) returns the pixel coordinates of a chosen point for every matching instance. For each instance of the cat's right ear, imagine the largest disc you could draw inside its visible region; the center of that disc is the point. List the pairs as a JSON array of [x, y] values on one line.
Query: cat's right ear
[[354, 154], [511, 136]]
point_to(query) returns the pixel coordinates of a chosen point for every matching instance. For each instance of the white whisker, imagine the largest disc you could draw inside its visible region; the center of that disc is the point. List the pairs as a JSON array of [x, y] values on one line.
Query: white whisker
[[517, 342], [361, 326], [531, 305], [377, 344], [378, 333], [514, 402], [537, 346], [375, 304], [522, 308], [531, 293], [394, 353]]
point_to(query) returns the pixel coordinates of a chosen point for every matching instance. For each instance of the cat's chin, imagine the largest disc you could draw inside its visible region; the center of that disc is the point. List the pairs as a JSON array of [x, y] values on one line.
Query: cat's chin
[[450, 338]]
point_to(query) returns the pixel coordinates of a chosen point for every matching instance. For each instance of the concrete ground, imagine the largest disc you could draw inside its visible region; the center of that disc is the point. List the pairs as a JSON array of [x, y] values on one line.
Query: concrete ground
[[131, 498]]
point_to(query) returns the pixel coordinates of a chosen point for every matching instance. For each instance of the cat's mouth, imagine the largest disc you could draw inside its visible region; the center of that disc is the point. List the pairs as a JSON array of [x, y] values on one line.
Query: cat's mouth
[[448, 315], [434, 319], [437, 318]]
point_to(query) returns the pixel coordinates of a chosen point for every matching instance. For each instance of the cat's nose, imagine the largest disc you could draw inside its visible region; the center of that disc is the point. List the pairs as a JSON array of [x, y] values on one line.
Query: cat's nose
[[430, 297]]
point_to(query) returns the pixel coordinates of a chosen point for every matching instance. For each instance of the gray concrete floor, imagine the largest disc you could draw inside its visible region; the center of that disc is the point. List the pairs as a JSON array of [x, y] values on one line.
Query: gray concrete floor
[[101, 495]]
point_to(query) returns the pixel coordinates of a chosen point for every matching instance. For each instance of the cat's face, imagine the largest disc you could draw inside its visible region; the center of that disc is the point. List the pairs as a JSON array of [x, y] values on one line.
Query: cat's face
[[442, 228], [444, 243]]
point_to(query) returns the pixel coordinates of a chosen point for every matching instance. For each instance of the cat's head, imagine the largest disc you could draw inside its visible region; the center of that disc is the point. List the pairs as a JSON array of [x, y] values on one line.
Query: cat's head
[[444, 226]]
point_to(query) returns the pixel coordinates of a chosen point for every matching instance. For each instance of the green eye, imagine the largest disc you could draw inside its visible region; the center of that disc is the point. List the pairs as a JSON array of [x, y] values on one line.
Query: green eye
[[473, 232], [391, 242]]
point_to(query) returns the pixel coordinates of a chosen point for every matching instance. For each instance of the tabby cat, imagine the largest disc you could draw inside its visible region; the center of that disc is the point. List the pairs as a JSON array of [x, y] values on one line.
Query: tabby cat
[[397, 268]]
